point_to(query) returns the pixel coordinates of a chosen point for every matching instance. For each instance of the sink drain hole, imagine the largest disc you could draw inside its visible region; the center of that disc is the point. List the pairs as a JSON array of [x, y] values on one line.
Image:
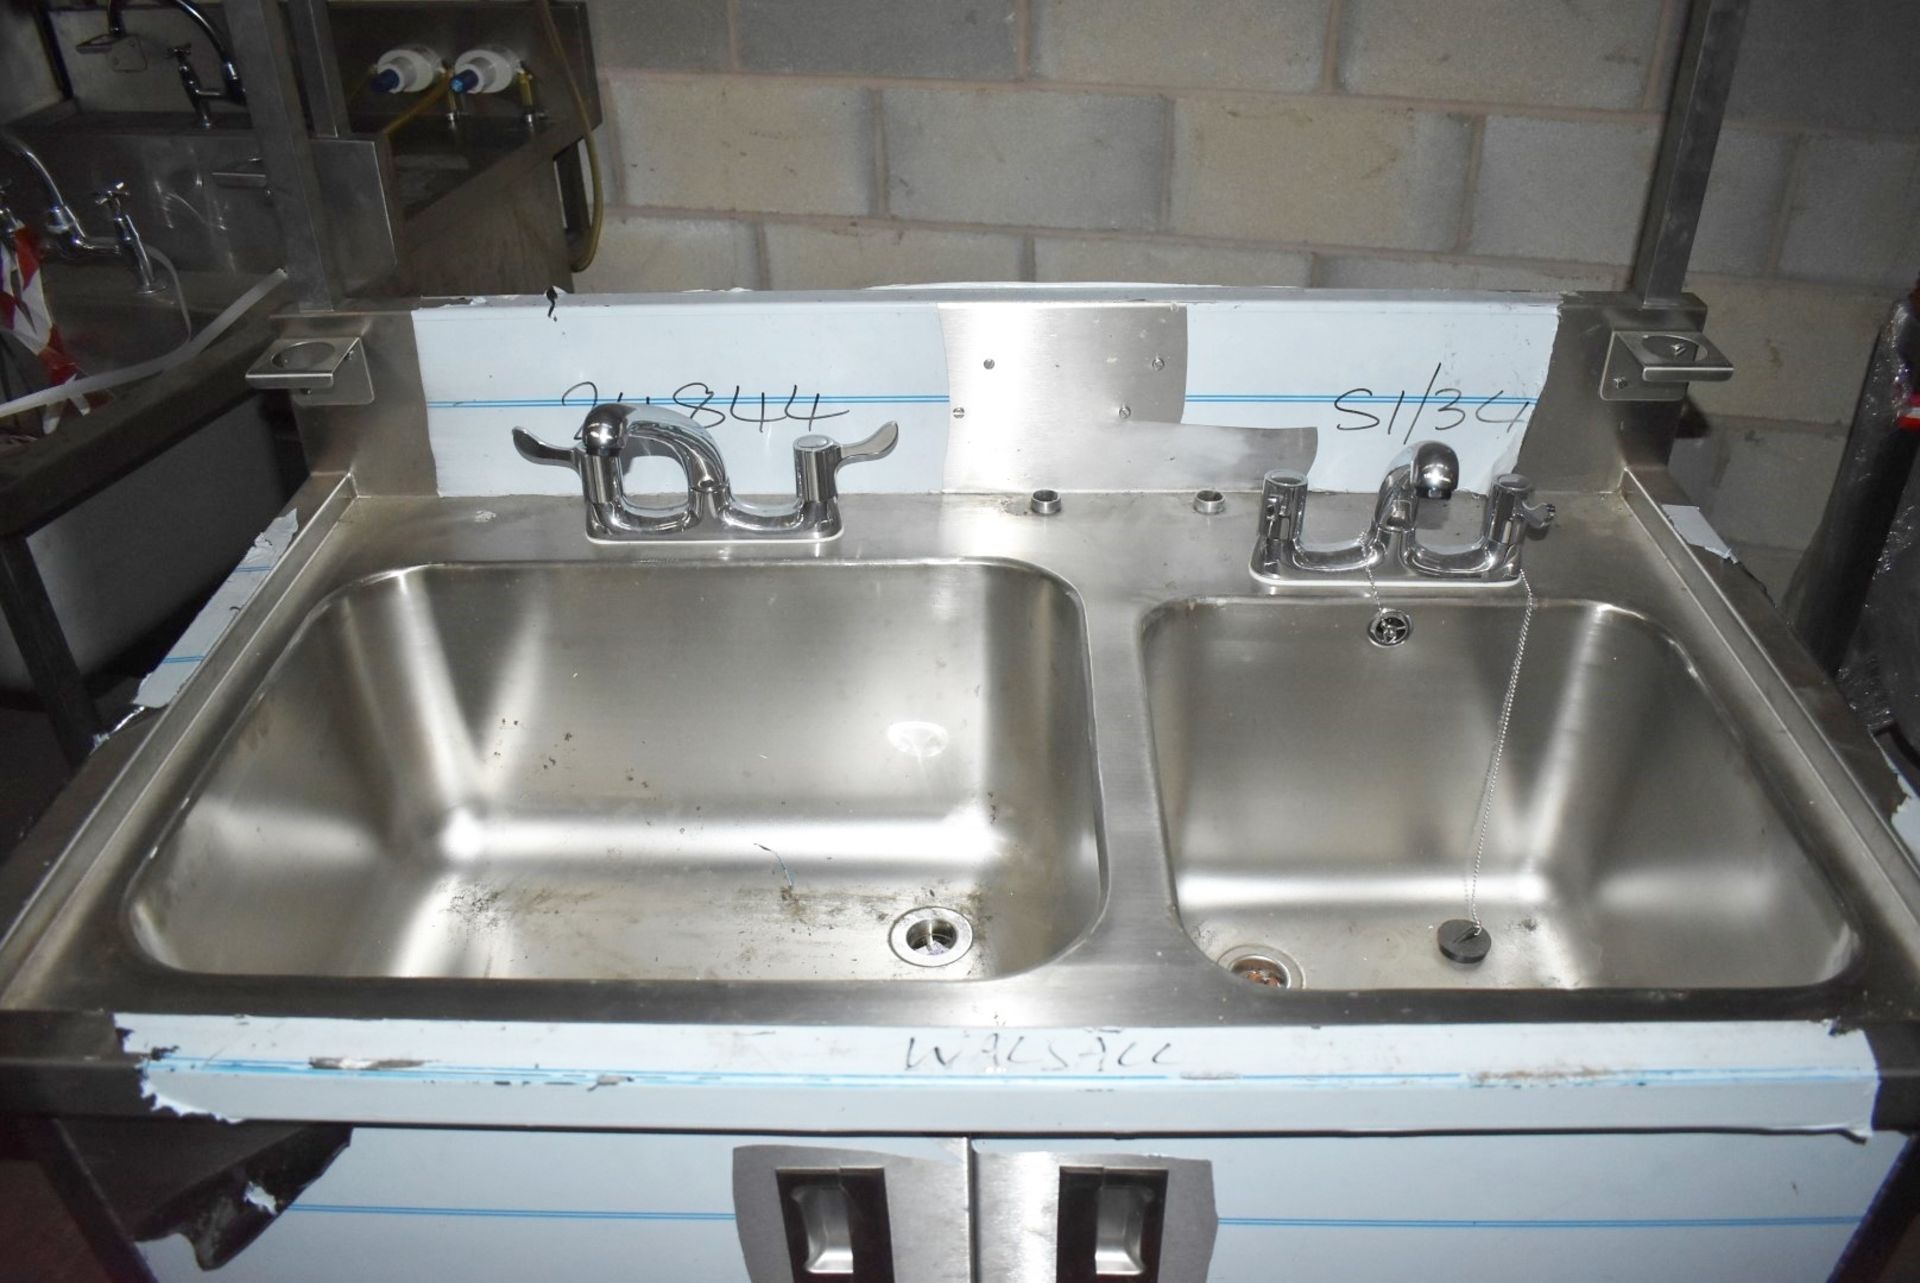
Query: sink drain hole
[[931, 936], [1389, 627], [1268, 968]]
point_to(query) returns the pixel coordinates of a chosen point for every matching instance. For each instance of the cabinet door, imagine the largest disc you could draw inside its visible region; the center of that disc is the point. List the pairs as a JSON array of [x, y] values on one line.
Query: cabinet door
[[408, 1204], [1686, 1207], [411, 1204]]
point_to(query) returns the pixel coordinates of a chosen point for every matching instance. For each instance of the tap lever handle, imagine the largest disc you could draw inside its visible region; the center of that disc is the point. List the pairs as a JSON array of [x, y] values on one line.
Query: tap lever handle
[[534, 450], [1511, 510], [877, 446], [817, 461], [834, 455], [614, 431], [112, 198]]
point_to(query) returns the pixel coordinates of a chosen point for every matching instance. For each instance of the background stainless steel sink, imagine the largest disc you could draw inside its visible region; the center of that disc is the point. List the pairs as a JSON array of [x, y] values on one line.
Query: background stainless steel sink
[[1321, 795], [603, 771]]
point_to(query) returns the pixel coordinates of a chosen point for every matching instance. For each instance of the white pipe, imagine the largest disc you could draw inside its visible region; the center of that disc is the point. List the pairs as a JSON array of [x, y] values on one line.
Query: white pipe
[[185, 352]]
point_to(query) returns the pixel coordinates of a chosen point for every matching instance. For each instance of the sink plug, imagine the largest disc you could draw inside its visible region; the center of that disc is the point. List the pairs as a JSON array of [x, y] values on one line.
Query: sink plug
[[1465, 941]]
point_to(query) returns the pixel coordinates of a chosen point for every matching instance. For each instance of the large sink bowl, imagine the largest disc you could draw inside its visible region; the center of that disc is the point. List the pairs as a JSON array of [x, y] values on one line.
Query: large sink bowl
[[691, 772], [1321, 798]]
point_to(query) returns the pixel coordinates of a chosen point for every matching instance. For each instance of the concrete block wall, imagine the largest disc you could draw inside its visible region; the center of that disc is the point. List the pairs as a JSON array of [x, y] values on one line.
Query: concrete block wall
[[1355, 143], [26, 80]]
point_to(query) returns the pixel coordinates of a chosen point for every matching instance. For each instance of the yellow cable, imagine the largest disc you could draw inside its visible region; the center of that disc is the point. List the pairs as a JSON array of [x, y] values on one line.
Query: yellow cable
[[581, 261], [428, 97]]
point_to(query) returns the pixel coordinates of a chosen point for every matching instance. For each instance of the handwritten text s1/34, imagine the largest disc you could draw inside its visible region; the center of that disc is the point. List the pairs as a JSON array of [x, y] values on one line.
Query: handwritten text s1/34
[[1441, 408]]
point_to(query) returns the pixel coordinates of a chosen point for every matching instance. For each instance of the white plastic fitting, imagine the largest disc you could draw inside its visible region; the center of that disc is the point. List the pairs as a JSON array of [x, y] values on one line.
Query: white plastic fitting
[[405, 69], [485, 69]]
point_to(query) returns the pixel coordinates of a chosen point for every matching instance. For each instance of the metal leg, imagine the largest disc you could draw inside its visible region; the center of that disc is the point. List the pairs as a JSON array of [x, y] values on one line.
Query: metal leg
[[314, 47], [1687, 143], [1830, 588], [99, 1224], [259, 35], [43, 645]]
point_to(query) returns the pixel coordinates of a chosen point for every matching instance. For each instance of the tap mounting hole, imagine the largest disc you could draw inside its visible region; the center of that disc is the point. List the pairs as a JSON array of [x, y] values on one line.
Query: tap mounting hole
[[1262, 965], [931, 936], [1261, 971]]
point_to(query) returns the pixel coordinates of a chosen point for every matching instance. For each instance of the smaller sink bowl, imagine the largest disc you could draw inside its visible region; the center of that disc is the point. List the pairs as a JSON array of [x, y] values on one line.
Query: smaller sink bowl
[[634, 772], [1321, 796]]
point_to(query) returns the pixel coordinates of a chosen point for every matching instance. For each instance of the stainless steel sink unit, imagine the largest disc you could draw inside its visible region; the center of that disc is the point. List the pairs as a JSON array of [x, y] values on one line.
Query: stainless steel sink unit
[[1322, 796], [971, 766], [1021, 811], [626, 772], [963, 765]]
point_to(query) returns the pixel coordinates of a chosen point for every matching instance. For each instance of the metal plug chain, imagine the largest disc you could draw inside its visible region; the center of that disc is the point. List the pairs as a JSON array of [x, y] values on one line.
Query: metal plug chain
[[1499, 750]]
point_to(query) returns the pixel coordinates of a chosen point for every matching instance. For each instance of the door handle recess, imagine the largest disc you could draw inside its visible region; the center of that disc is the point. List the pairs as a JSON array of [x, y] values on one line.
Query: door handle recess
[[836, 1225], [1110, 1225]]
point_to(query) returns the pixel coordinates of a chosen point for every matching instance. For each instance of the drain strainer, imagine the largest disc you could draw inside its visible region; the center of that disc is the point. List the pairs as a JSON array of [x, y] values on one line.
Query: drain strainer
[[1260, 965], [1389, 627], [931, 936]]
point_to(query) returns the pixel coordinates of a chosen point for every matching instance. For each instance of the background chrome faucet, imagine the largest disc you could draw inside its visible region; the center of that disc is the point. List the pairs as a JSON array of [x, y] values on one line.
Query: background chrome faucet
[[70, 236], [1422, 472], [232, 89], [614, 432]]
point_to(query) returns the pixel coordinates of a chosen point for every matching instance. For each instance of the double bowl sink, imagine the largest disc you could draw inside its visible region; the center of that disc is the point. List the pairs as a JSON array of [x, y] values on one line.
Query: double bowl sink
[[1079, 762]]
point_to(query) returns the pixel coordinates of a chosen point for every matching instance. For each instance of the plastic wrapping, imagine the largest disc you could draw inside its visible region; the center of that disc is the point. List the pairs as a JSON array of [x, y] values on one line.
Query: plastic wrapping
[[1891, 619]]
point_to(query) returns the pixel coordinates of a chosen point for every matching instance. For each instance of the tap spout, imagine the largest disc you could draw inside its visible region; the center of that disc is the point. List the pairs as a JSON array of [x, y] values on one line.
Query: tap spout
[[1424, 471]]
